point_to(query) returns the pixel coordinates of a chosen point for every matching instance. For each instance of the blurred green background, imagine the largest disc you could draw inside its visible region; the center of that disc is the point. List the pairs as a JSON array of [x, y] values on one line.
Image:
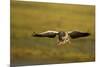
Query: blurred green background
[[29, 17]]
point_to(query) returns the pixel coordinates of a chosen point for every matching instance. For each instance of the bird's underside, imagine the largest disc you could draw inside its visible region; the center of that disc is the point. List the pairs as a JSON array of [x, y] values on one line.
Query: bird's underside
[[63, 37]]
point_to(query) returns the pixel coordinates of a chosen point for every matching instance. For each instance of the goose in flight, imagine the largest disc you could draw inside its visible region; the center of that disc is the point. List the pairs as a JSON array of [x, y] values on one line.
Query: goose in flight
[[63, 37]]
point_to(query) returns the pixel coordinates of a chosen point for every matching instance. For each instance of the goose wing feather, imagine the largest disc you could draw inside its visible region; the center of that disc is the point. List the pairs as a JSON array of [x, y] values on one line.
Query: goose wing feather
[[77, 34], [50, 34]]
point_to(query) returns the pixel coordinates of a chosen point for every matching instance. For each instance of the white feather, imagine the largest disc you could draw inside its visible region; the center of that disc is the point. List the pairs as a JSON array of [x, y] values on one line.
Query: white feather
[[49, 32]]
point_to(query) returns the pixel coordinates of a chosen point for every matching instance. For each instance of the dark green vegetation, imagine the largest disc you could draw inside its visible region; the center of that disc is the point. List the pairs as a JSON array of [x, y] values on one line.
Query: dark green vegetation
[[28, 17]]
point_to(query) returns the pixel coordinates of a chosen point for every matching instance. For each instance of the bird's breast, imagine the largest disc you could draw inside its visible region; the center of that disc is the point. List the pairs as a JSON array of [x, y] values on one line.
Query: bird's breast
[[63, 36]]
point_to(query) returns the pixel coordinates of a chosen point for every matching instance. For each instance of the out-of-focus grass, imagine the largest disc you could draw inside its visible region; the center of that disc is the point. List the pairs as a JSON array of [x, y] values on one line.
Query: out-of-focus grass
[[45, 55], [28, 17]]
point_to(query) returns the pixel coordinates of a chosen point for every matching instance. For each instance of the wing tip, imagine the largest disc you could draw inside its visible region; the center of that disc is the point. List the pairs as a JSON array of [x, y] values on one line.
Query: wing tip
[[34, 34], [87, 34]]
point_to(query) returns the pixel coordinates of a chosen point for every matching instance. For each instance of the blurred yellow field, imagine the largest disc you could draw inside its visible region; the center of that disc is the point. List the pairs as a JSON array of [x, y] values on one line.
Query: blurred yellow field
[[29, 17]]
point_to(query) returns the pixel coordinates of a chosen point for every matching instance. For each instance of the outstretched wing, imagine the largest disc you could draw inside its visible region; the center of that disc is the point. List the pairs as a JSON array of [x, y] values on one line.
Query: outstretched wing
[[77, 34], [50, 34]]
